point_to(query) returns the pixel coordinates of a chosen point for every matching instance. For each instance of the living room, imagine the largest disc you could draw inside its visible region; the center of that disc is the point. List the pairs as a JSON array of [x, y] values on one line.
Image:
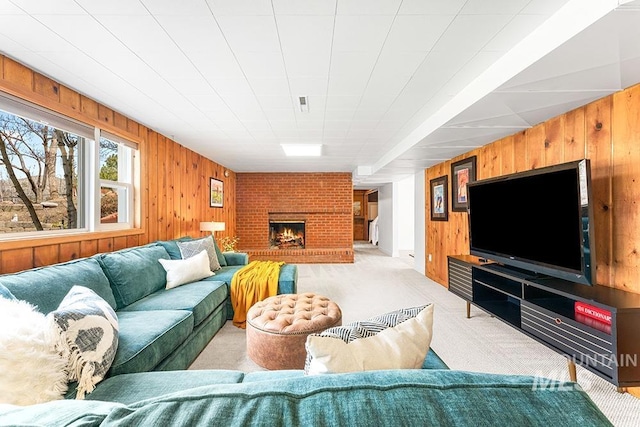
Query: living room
[[174, 185]]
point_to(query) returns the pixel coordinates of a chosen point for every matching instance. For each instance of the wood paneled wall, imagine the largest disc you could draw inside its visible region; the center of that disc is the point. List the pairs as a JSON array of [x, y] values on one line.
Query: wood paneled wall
[[174, 181], [607, 132]]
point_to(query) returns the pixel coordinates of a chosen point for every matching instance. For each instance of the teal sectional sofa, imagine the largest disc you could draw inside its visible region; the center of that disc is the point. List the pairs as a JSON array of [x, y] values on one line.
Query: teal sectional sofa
[[289, 398], [160, 329]]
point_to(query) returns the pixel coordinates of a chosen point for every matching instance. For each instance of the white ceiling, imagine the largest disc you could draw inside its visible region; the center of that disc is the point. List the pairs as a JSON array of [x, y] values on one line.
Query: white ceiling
[[394, 86]]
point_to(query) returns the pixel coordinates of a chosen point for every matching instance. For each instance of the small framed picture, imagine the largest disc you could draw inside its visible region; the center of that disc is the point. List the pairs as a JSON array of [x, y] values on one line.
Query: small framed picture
[[216, 193], [462, 173], [439, 202]]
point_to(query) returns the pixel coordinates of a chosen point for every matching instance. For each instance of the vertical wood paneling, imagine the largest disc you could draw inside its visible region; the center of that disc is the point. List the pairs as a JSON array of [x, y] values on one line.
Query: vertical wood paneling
[[173, 191], [520, 159], [69, 251], [162, 188], [554, 141], [152, 173], [626, 189], [574, 135], [535, 147], [45, 255], [88, 248], [606, 131], [507, 155], [488, 162], [598, 142], [17, 259]]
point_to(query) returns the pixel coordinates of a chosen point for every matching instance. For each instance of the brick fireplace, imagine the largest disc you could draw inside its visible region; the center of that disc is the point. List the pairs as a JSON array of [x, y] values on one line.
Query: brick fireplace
[[320, 203]]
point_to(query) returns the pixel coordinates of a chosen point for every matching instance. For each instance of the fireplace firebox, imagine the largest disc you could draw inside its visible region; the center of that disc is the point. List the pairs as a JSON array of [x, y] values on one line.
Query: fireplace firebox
[[286, 234]]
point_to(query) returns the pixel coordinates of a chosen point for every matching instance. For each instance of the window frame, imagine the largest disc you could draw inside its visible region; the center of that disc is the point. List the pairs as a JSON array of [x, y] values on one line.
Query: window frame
[[88, 171]]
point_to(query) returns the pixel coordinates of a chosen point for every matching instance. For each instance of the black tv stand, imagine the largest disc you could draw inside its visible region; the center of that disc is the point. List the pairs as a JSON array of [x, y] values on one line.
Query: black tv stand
[[543, 307]]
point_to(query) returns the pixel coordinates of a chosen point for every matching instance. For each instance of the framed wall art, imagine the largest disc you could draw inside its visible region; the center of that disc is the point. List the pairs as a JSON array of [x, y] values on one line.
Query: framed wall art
[[216, 193], [462, 173], [439, 202]]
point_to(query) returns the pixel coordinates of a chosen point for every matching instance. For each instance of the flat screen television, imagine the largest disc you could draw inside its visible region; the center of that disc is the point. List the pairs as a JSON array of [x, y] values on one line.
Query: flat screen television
[[539, 220]]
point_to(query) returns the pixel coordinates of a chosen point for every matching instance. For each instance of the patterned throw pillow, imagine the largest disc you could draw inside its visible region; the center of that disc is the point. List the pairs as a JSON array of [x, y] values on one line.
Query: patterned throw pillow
[[87, 330], [194, 247], [396, 340]]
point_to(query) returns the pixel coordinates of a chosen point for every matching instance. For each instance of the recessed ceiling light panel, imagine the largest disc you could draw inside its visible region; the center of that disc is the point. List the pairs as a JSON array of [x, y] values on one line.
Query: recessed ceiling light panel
[[302, 150]]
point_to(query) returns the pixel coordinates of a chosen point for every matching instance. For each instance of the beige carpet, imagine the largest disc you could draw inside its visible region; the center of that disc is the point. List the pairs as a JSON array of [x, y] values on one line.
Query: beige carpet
[[376, 283]]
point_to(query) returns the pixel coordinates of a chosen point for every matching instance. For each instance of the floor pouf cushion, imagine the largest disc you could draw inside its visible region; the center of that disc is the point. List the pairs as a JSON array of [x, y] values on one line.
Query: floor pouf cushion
[[277, 328]]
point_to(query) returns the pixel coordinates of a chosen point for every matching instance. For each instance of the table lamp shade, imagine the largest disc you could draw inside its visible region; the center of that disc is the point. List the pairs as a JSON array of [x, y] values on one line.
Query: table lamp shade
[[212, 226]]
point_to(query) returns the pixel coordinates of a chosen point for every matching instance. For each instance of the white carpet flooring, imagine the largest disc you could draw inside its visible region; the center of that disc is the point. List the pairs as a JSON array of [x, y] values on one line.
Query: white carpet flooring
[[377, 283]]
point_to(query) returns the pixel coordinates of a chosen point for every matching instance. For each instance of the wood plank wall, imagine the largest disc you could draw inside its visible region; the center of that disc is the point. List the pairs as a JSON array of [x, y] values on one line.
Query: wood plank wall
[[607, 131], [174, 182]]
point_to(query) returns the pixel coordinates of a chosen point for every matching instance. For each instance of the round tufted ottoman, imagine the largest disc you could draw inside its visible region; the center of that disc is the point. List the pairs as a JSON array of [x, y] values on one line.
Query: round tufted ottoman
[[277, 328]]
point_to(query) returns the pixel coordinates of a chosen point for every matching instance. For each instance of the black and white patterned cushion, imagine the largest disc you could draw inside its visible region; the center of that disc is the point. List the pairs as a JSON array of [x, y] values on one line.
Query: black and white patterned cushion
[[367, 328], [191, 248], [87, 330]]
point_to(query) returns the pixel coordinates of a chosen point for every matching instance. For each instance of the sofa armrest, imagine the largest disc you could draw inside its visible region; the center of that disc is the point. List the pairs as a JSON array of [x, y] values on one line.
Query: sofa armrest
[[236, 258]]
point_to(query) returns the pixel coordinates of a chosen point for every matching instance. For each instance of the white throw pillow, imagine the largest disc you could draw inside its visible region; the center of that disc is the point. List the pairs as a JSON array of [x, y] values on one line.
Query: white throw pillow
[[372, 345], [181, 271], [31, 370], [87, 331]]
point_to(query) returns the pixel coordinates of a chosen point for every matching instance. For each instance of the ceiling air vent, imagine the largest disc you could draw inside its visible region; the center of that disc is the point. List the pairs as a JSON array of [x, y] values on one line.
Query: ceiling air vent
[[304, 104]]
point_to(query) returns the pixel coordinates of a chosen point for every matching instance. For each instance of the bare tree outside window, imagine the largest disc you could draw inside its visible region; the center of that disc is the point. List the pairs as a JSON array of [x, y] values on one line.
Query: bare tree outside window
[[38, 176]]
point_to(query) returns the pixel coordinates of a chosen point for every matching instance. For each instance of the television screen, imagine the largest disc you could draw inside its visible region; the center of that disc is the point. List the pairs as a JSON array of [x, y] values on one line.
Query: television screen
[[537, 220]]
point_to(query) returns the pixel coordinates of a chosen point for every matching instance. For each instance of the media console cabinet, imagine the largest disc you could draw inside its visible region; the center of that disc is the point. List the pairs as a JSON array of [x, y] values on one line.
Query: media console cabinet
[[544, 308]]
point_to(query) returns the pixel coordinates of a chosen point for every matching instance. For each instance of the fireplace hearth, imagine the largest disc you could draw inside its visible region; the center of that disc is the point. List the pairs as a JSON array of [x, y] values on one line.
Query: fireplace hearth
[[286, 234]]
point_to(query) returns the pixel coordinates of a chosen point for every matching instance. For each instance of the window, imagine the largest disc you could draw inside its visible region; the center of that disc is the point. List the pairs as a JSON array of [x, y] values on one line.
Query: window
[[55, 179]]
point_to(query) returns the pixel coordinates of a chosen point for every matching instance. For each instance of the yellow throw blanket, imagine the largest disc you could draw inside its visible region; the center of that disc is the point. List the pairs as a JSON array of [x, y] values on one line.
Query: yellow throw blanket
[[252, 283]]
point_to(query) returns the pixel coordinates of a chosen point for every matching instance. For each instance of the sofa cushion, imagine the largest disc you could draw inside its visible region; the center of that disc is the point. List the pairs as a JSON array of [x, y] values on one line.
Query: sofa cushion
[[86, 328], [147, 337], [221, 259], [131, 388], [201, 298], [171, 246], [6, 293], [134, 273], [236, 258], [46, 287], [192, 248]]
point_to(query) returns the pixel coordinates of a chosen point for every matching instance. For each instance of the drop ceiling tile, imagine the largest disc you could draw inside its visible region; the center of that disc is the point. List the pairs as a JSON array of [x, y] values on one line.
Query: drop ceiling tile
[[372, 100], [337, 125], [171, 64], [310, 124], [357, 64], [228, 88], [369, 115], [360, 33], [342, 102], [240, 8], [113, 7], [250, 114], [250, 33], [32, 35], [306, 65], [139, 33], [267, 87], [262, 64], [340, 115], [274, 102], [176, 8], [8, 8], [432, 7], [368, 7], [308, 86], [302, 34], [230, 125], [498, 7], [349, 85], [470, 32], [416, 33], [385, 86], [219, 66], [257, 125], [280, 114], [307, 7], [515, 30], [47, 7], [545, 7], [194, 33]]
